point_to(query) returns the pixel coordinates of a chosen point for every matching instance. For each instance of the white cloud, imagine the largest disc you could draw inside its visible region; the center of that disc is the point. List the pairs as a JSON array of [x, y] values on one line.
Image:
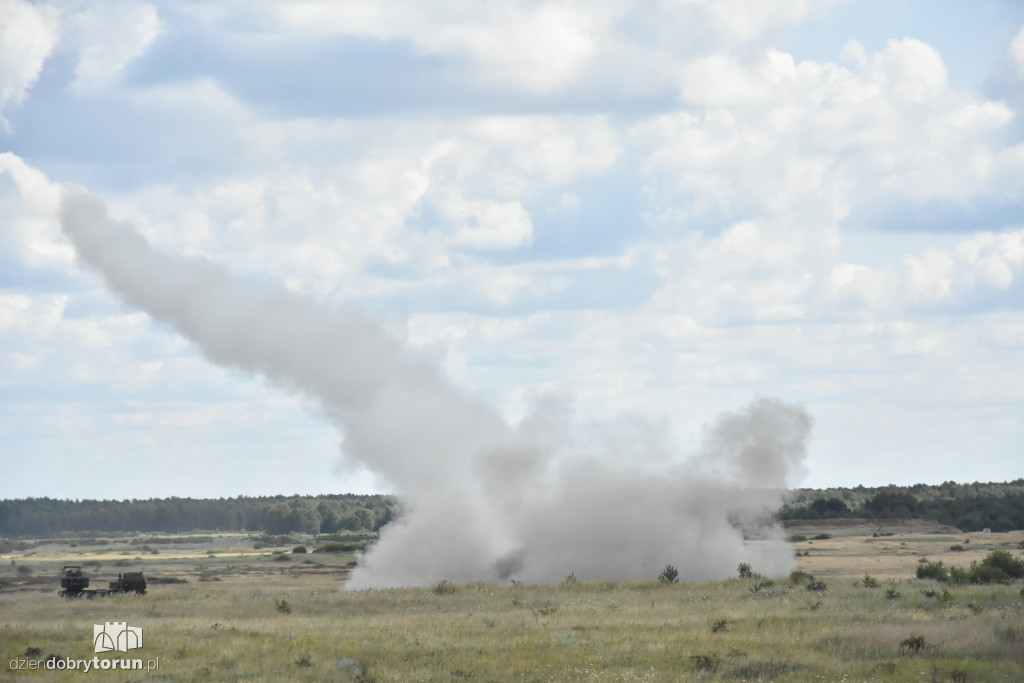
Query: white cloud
[[981, 263], [536, 47], [35, 188], [28, 34], [819, 139], [734, 270], [539, 48], [109, 36], [486, 224], [544, 47], [1017, 52]]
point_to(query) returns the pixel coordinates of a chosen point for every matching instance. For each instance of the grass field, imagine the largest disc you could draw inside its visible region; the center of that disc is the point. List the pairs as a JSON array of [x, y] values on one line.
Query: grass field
[[245, 615]]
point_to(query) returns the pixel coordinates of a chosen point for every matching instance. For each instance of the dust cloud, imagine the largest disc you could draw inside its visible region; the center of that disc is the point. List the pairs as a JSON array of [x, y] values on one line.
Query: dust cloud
[[481, 499]]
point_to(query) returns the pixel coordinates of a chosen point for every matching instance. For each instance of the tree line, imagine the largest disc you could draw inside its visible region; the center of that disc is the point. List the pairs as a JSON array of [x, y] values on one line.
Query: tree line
[[271, 514], [968, 507]]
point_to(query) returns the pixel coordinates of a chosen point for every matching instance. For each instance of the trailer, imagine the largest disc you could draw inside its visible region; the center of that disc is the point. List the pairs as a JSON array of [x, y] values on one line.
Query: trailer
[[74, 583]]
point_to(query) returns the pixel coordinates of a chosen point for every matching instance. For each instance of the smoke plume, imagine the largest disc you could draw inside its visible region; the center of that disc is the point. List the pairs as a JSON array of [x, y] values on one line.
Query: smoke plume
[[481, 499]]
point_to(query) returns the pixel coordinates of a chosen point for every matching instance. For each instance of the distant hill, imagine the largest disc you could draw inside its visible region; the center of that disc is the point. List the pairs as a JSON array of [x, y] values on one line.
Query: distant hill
[[968, 507]]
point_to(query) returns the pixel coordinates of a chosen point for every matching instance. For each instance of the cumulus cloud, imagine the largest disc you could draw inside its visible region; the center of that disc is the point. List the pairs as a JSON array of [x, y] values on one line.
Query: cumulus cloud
[[35, 188], [486, 224], [599, 212], [28, 34], [543, 48], [775, 134], [1017, 52], [109, 36]]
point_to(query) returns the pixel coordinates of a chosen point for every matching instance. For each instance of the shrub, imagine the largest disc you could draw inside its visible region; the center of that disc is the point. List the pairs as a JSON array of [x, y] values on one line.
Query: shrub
[[669, 575], [817, 586], [797, 538], [822, 537], [570, 581], [797, 577], [893, 594], [869, 581], [339, 547], [442, 587], [720, 626], [762, 584], [746, 572], [1002, 559], [281, 557], [24, 570], [913, 644], [283, 607], [958, 576], [704, 662], [986, 573], [299, 550], [931, 570], [957, 548]]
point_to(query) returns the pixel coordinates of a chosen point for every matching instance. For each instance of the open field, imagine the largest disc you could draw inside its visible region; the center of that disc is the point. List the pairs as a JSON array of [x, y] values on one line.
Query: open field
[[243, 614]]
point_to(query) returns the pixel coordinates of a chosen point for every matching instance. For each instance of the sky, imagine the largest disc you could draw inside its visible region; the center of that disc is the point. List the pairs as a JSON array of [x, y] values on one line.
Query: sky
[[658, 211]]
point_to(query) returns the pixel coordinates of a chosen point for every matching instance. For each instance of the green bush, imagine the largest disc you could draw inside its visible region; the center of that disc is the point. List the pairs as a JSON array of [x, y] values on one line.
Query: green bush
[[958, 576], [669, 575], [339, 548], [986, 573], [797, 577], [1002, 560], [913, 644], [704, 662], [932, 570], [745, 572], [869, 582]]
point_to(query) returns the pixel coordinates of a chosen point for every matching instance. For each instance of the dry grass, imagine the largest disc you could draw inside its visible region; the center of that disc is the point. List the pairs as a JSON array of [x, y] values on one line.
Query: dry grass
[[233, 629]]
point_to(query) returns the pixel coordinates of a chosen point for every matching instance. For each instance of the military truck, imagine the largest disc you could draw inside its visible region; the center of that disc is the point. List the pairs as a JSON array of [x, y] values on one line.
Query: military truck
[[75, 584]]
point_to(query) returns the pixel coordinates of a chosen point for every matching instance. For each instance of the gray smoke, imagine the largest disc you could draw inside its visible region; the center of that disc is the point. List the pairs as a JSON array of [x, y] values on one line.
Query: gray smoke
[[482, 500]]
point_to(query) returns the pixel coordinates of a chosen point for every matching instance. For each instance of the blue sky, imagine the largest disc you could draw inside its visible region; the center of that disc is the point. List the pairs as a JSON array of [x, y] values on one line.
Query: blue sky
[[660, 210]]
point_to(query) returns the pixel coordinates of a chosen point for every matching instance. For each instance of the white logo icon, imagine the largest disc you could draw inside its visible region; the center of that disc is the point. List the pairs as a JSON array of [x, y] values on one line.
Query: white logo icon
[[117, 636]]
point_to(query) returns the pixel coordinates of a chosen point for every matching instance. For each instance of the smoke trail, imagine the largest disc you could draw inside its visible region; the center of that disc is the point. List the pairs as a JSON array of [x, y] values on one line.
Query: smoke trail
[[482, 499]]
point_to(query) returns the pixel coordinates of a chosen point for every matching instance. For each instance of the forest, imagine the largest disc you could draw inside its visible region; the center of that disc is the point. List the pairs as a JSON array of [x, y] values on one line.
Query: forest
[[271, 514], [968, 507]]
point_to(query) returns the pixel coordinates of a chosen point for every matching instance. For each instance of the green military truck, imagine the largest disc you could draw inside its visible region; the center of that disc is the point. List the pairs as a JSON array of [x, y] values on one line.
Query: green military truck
[[74, 583]]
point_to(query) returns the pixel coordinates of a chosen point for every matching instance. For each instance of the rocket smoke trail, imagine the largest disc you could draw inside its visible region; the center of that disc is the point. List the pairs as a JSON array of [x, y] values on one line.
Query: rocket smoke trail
[[482, 499]]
